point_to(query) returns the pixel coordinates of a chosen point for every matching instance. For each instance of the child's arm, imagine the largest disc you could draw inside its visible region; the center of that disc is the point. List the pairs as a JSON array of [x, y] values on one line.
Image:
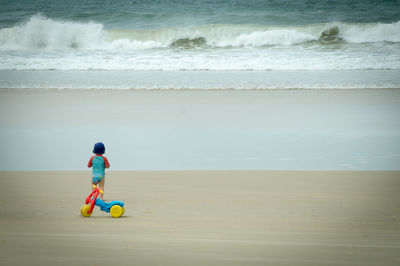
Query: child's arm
[[90, 162], [106, 163]]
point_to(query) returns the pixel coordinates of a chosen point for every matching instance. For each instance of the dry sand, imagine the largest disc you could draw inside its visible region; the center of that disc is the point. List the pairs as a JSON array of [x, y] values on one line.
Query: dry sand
[[203, 218]]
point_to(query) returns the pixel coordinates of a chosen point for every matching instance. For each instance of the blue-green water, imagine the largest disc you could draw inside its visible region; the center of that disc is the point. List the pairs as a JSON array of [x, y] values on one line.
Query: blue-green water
[[144, 14], [171, 36], [200, 36], [73, 38]]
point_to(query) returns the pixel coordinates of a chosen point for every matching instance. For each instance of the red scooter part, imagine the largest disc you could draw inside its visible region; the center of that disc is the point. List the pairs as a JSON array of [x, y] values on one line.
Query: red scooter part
[[91, 201]]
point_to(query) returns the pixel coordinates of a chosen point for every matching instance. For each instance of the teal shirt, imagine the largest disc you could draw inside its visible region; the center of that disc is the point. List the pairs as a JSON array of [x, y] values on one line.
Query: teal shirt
[[98, 166]]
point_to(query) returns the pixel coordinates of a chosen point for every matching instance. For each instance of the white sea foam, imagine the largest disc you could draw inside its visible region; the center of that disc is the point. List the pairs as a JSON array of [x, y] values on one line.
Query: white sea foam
[[40, 32], [41, 43], [370, 33], [273, 37]]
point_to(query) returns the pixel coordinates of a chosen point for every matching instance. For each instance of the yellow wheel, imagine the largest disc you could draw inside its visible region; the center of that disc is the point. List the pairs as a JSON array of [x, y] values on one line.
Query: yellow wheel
[[85, 210], [116, 211], [123, 211]]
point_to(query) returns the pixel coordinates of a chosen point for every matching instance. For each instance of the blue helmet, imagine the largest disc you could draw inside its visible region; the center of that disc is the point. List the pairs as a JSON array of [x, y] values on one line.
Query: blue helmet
[[99, 148]]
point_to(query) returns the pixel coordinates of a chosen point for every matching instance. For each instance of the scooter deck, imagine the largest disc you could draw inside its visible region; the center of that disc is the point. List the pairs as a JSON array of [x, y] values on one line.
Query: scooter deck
[[106, 206]]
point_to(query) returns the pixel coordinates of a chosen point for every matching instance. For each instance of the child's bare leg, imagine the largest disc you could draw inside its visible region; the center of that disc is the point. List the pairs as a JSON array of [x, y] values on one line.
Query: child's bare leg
[[101, 187], [92, 183]]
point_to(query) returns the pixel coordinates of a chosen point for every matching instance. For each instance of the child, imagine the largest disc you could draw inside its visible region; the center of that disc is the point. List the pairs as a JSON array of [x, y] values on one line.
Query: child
[[98, 162]]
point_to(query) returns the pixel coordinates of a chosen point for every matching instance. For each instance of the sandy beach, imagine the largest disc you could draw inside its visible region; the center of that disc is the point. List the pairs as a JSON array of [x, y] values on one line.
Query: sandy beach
[[192, 217], [203, 218]]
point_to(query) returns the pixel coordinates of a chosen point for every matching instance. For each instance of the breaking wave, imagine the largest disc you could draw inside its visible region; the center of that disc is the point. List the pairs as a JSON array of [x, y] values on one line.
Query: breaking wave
[[40, 33]]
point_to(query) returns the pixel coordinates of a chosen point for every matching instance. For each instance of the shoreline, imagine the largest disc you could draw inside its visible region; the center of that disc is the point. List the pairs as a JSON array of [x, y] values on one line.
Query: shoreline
[[204, 129], [149, 90], [200, 79]]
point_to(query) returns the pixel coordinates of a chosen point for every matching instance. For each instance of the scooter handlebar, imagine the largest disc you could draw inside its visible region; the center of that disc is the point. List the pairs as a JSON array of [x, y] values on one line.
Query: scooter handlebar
[[95, 187]]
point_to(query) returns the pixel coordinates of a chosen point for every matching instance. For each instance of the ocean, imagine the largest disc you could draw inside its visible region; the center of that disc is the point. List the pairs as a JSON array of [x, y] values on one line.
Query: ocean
[[178, 44], [201, 85]]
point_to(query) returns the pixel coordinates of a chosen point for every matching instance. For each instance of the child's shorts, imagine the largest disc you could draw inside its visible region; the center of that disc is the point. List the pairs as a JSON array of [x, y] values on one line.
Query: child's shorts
[[96, 179]]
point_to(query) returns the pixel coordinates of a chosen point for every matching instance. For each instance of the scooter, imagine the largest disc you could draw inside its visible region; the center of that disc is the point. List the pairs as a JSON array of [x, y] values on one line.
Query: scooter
[[115, 208]]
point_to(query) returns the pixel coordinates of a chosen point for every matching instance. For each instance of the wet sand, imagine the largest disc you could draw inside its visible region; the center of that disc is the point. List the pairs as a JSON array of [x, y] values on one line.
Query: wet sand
[[203, 218], [202, 129]]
